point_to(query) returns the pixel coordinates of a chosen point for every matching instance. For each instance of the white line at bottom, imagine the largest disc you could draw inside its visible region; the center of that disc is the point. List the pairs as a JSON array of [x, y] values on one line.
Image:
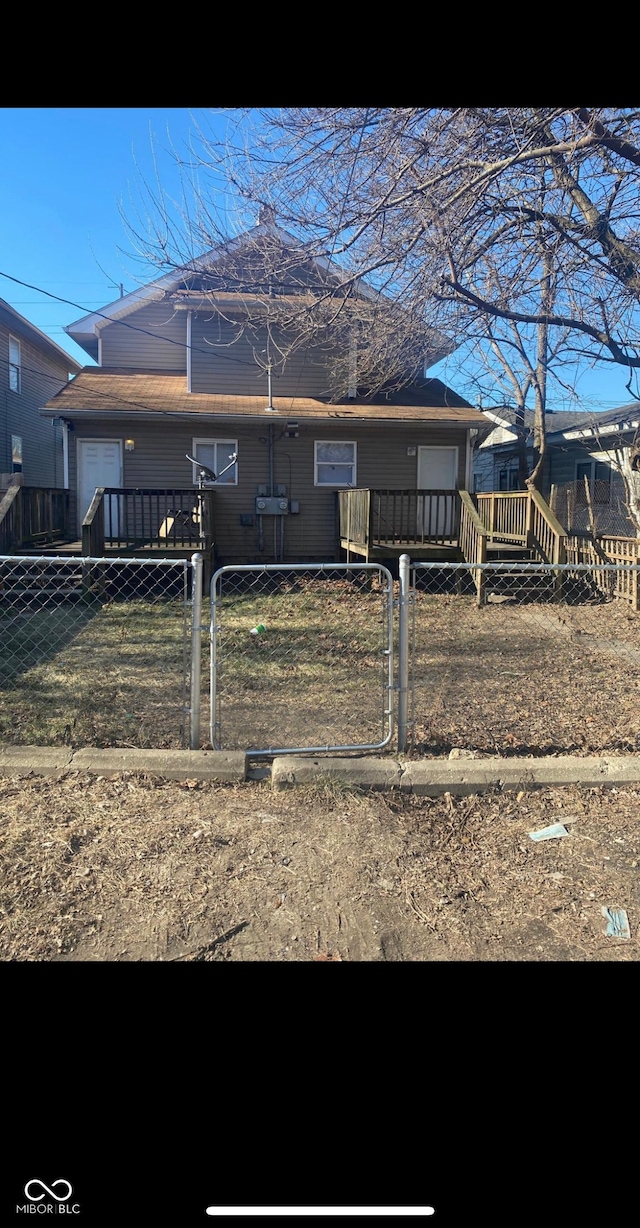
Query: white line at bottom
[[320, 1210]]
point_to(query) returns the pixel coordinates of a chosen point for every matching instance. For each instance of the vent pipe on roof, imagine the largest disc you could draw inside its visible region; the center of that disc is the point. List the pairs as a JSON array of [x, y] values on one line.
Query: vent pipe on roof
[[269, 409], [266, 215]]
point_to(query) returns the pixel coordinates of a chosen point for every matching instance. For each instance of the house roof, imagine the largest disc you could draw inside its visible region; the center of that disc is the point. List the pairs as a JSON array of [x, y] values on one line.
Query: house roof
[[24, 328], [615, 421], [122, 392], [85, 331], [557, 420]]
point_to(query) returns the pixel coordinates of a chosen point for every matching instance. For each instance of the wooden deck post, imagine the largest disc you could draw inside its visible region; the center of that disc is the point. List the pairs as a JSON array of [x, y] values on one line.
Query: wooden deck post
[[529, 521], [481, 574], [369, 519]]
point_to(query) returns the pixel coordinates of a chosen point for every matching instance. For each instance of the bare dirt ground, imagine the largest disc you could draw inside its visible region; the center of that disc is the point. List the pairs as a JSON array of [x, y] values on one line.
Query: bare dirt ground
[[526, 679], [141, 869]]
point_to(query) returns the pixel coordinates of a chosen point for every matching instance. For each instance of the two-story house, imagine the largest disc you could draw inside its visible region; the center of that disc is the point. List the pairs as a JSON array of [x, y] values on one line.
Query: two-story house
[[202, 364], [32, 370]]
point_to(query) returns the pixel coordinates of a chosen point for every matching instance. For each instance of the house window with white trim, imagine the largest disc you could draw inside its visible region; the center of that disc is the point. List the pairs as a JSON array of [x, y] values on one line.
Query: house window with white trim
[[598, 476], [335, 463], [14, 364], [218, 455], [508, 478]]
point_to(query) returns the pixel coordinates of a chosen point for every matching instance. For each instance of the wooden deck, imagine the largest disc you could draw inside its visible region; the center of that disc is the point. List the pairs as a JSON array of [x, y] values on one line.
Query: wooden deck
[[450, 525], [73, 549]]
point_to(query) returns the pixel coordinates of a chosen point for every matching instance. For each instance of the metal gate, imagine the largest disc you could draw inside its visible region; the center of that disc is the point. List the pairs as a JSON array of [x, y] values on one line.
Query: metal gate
[[301, 658]]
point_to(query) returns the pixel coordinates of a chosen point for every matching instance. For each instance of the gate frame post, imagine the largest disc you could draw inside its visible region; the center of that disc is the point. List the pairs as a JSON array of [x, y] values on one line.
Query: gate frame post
[[403, 651], [197, 562]]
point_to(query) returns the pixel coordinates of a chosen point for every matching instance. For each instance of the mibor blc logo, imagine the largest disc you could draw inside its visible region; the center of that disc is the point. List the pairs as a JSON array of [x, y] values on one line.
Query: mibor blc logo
[[54, 1199]]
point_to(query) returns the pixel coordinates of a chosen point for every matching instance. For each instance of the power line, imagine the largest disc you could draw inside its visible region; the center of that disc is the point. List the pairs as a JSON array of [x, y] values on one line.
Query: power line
[[138, 405], [124, 323]]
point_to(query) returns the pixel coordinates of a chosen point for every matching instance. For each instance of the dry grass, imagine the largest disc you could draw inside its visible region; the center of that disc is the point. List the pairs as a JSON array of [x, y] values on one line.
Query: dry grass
[[317, 675], [533, 678], [93, 676], [525, 679]]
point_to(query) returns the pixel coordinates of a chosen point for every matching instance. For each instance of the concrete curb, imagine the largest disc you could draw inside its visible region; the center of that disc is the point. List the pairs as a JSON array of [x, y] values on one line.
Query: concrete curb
[[425, 778], [428, 778], [172, 764]]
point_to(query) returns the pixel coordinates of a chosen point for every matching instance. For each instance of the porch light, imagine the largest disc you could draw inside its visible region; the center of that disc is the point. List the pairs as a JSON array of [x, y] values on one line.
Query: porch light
[[129, 445]]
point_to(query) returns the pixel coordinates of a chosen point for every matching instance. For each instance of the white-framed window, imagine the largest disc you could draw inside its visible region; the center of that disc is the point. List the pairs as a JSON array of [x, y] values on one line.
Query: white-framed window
[[598, 475], [508, 478], [335, 462], [217, 455], [14, 364], [16, 453]]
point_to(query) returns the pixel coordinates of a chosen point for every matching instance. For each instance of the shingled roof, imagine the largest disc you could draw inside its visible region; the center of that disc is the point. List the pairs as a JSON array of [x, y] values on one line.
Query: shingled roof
[[108, 391]]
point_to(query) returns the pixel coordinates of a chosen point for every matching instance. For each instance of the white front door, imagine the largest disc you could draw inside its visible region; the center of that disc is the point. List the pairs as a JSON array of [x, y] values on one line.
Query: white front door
[[437, 470], [99, 464]]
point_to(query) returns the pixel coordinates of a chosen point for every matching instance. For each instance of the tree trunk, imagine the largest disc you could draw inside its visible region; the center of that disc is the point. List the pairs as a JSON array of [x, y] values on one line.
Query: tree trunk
[[539, 426], [629, 458]]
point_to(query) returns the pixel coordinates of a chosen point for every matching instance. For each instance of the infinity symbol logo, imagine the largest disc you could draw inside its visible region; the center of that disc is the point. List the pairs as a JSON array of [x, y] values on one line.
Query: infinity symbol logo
[[58, 1197]]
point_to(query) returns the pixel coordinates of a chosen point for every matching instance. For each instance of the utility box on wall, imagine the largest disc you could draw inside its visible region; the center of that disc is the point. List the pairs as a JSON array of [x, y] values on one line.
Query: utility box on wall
[[271, 505]]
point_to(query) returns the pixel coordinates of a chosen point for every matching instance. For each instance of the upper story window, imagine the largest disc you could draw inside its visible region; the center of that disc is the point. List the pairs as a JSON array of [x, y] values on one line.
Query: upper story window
[[335, 463], [14, 364], [217, 454]]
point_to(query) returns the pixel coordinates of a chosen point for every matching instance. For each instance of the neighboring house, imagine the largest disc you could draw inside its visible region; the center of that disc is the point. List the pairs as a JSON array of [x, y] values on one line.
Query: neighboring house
[[593, 447], [190, 365], [32, 369], [579, 445], [495, 462]]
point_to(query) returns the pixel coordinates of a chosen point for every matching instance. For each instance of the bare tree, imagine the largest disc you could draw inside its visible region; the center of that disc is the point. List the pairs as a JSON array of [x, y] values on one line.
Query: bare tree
[[518, 227]]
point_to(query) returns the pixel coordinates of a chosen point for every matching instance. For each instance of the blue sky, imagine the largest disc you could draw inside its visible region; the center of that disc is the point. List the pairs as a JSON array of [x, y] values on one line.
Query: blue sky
[[66, 173]]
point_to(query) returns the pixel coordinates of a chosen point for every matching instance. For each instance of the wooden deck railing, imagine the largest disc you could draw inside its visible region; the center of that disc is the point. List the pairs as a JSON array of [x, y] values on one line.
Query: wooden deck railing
[[624, 550], [93, 527], [504, 515], [122, 518], [546, 535], [354, 511], [473, 540], [399, 517], [622, 583], [32, 516]]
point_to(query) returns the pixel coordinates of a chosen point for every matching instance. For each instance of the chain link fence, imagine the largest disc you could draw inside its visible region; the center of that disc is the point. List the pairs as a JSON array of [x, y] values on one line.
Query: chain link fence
[[597, 508], [506, 658], [94, 652], [301, 658], [519, 658]]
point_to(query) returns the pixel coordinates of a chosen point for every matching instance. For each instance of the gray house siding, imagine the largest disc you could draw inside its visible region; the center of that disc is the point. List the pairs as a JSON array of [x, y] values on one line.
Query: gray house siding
[[40, 378], [489, 462], [226, 360], [564, 457], [159, 460], [608, 502], [152, 338]]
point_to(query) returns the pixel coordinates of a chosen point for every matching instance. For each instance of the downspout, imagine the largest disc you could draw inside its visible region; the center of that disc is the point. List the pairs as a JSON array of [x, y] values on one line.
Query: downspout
[[271, 475], [65, 454], [471, 435], [188, 351]]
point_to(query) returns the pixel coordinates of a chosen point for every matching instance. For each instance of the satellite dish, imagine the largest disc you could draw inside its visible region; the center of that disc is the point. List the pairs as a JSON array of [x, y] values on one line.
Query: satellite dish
[[205, 471]]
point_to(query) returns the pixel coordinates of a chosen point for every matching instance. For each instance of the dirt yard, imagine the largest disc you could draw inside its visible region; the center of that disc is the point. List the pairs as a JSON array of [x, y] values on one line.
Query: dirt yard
[[525, 678], [141, 869]]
